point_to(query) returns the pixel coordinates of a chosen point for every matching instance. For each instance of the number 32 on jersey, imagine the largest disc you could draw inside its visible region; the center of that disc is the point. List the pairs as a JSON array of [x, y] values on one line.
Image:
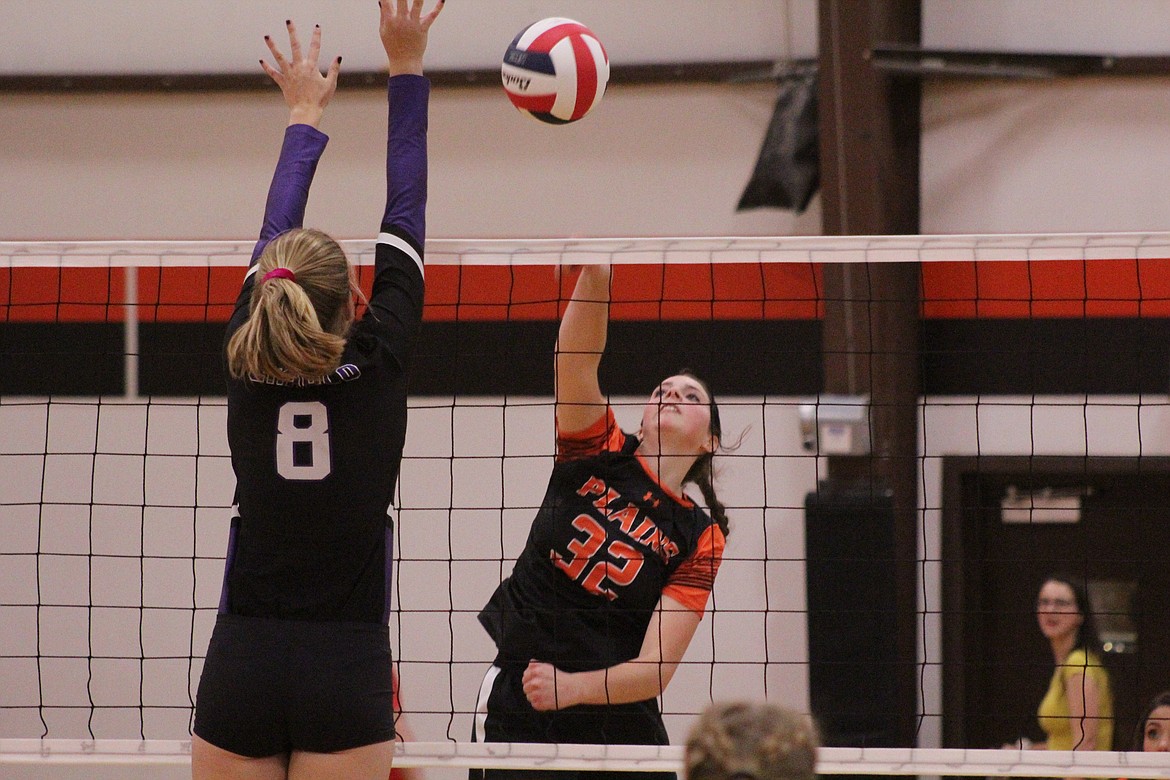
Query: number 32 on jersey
[[620, 571], [302, 441]]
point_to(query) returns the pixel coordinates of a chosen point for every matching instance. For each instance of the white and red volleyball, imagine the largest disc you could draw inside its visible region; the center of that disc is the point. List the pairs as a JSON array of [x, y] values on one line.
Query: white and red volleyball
[[555, 70]]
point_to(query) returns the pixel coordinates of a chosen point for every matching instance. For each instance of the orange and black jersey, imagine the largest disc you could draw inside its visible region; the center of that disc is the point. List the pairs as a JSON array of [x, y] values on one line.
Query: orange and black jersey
[[606, 544], [316, 462]]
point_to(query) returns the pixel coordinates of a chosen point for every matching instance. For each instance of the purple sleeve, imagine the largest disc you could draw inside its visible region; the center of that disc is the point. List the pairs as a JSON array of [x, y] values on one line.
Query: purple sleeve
[[396, 302], [287, 196], [406, 157], [289, 191]]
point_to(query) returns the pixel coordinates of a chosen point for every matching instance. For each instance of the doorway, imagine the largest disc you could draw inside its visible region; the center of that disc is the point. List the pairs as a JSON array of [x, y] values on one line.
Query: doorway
[[996, 664]]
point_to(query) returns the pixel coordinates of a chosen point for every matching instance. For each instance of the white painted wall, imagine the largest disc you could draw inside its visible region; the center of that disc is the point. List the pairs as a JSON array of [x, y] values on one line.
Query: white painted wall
[[1055, 155], [651, 160], [1067, 155], [221, 36], [1135, 27], [997, 156]]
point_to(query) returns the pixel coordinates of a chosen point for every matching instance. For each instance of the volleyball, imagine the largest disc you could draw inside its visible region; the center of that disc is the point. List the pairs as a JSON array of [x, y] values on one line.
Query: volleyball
[[555, 70]]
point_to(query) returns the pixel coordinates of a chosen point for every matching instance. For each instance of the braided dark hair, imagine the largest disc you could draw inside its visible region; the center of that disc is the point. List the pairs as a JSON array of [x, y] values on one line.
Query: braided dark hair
[[702, 472]]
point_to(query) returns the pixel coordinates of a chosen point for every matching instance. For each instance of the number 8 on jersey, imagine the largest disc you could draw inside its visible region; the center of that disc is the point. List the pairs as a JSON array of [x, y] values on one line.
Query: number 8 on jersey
[[302, 441]]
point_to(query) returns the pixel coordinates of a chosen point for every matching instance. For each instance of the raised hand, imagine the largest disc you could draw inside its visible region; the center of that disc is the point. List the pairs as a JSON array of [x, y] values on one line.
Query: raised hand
[[403, 29], [306, 89]]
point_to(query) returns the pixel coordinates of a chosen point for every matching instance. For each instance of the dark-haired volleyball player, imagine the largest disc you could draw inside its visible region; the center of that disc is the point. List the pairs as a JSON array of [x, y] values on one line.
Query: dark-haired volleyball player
[[297, 681], [619, 563]]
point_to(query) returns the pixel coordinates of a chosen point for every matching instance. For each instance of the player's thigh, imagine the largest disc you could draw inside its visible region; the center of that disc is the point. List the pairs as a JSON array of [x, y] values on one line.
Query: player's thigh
[[209, 762], [368, 761]]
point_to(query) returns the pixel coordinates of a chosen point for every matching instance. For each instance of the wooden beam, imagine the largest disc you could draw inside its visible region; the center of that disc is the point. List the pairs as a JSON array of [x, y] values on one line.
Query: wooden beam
[[869, 133]]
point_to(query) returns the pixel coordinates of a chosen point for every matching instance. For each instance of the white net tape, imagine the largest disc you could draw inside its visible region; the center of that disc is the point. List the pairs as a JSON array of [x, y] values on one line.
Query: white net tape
[[637, 758], [797, 249]]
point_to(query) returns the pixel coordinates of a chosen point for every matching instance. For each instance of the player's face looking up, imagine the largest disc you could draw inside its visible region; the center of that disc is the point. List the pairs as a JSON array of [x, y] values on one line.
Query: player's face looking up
[[678, 417]]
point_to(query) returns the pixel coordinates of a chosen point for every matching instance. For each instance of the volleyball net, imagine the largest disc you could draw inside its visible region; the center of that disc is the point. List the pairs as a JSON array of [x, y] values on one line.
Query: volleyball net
[[902, 618]]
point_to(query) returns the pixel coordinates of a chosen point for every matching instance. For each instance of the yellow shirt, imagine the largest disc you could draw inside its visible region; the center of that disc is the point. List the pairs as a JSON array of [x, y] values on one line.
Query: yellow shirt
[[1054, 714]]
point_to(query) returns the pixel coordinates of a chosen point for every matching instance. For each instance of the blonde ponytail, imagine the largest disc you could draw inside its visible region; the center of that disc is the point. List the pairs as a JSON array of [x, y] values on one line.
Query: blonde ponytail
[[296, 326]]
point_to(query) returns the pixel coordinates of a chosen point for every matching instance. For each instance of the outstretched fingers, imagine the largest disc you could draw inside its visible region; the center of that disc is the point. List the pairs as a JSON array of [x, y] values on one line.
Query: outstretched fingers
[[315, 45], [429, 19], [305, 88], [277, 73], [410, 9], [333, 71], [277, 56], [297, 55], [294, 43]]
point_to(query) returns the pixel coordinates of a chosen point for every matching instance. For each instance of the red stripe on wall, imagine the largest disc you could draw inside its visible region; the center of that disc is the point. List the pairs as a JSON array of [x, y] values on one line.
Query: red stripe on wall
[[641, 292], [1049, 289], [61, 295], [188, 294]]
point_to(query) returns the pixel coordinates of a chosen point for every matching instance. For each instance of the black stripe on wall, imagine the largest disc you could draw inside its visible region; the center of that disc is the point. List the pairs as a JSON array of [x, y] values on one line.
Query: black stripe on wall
[[61, 359], [453, 358], [181, 358], [735, 357], [777, 357], [1056, 356]]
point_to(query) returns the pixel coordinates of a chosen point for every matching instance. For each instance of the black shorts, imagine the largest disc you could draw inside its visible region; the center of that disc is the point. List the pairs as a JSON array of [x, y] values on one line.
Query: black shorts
[[274, 686], [503, 714]]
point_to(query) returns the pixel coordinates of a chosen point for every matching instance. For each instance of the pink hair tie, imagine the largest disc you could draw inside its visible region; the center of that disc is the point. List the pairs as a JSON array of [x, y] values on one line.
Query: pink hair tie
[[280, 273]]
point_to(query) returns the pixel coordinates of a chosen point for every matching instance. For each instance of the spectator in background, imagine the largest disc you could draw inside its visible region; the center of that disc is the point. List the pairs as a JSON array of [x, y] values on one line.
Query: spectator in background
[[1153, 727], [1077, 711], [744, 740]]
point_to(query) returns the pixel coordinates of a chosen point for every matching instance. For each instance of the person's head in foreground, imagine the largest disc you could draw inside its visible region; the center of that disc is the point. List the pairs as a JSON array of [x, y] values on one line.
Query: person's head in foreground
[[744, 740]]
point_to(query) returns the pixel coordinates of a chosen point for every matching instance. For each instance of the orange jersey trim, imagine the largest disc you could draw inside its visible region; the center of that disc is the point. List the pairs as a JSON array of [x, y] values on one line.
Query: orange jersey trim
[[691, 583], [604, 435]]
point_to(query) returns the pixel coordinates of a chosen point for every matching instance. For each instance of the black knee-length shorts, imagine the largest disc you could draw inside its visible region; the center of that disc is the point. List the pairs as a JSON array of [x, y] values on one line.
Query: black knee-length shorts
[[274, 686]]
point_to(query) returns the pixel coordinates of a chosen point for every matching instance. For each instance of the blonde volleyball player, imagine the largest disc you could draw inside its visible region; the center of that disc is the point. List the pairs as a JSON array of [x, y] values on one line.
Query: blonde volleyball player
[[615, 576], [297, 681]]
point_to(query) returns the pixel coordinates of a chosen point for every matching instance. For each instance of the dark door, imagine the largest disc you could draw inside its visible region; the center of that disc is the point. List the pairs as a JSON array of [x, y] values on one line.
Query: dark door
[[996, 663]]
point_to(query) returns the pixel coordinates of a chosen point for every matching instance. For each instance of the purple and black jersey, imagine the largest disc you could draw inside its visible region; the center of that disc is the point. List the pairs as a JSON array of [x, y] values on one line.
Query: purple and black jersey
[[316, 462]]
